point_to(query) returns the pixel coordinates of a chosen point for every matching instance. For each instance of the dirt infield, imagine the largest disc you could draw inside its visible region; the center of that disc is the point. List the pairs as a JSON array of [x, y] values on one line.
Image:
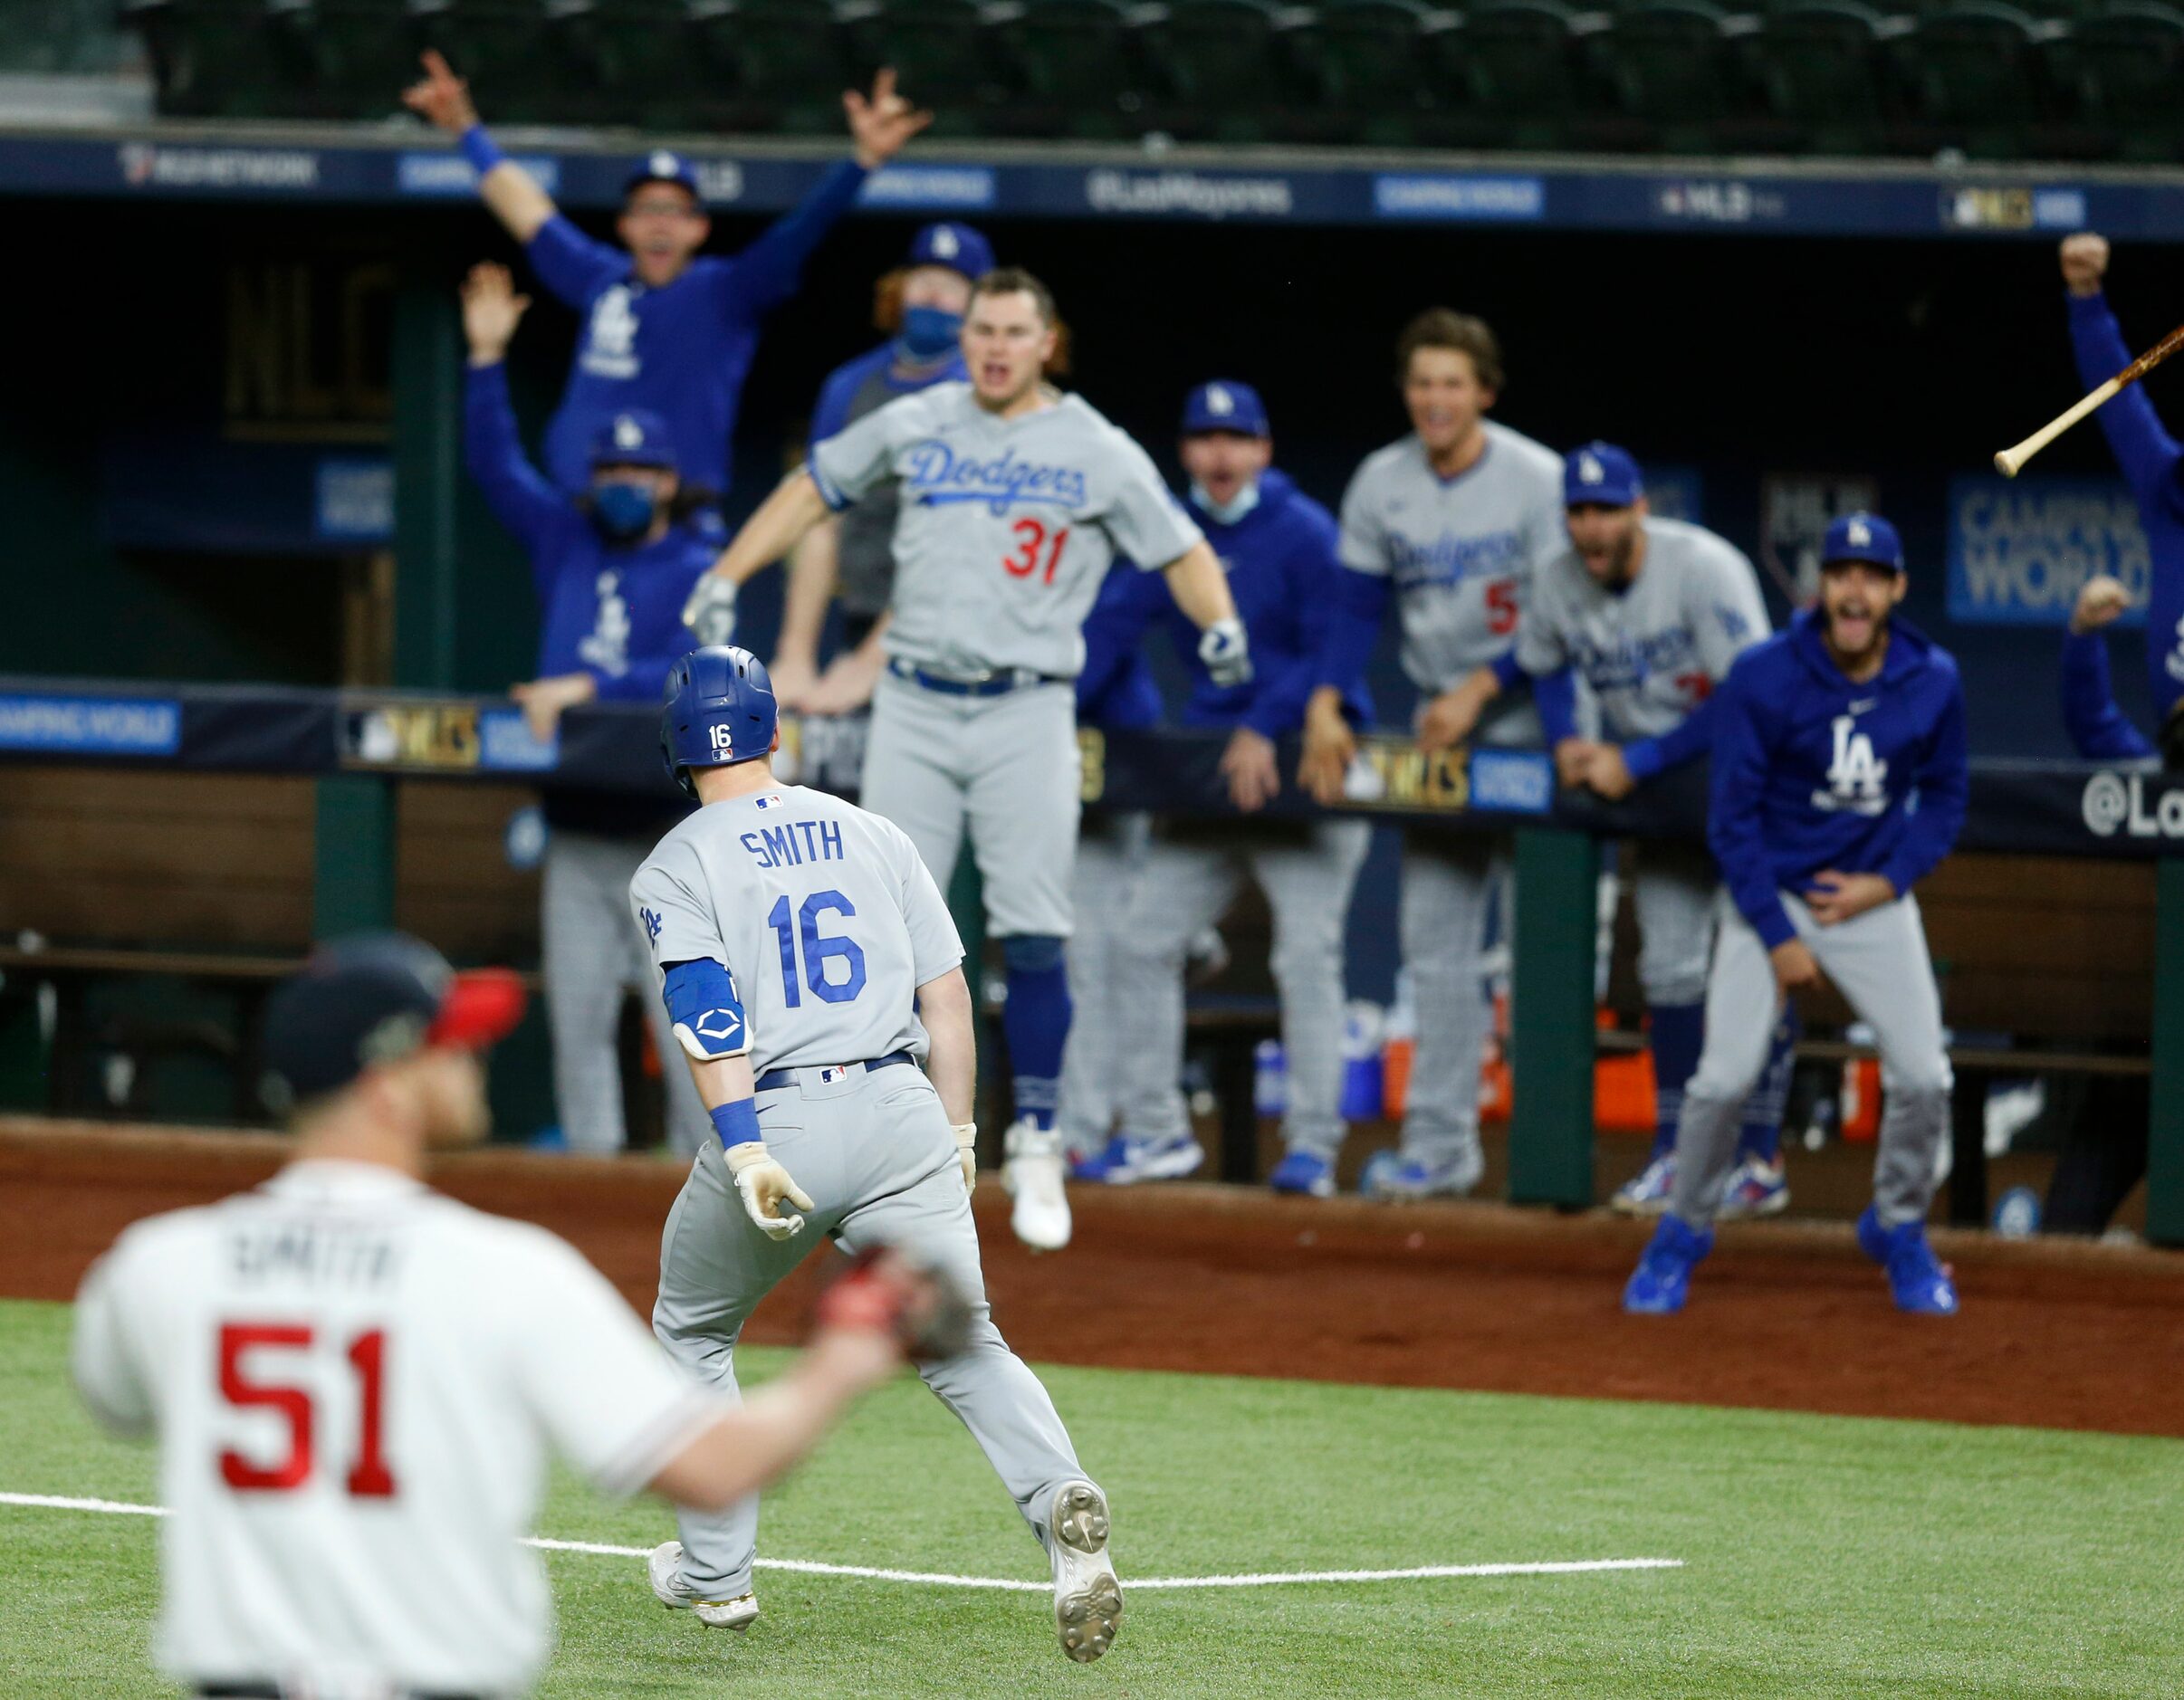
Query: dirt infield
[[1223, 1280]]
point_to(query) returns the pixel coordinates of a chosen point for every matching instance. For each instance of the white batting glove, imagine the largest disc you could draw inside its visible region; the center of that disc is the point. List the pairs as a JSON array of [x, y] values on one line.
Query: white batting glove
[[764, 1184], [966, 1153], [710, 613], [1226, 653]]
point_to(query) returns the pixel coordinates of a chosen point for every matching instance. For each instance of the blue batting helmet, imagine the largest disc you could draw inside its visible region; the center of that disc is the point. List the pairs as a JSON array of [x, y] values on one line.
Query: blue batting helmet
[[719, 710]]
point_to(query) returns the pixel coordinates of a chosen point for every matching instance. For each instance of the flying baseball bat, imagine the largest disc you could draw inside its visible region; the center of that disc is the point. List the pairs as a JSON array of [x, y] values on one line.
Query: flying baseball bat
[[2010, 461]]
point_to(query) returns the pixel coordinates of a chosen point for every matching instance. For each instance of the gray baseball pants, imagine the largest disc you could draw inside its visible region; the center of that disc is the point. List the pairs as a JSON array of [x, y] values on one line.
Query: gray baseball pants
[[874, 1150], [1110, 854], [592, 955], [1878, 961], [1447, 893]]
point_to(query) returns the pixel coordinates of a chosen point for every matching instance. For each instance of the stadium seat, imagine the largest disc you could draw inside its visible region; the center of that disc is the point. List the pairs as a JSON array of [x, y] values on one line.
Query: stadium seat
[[367, 53], [1082, 68], [1977, 78], [645, 64], [2126, 65], [951, 55], [1670, 64], [523, 58], [1522, 80], [1224, 68], [1381, 71], [227, 58], [58, 36], [1822, 78], [779, 64]]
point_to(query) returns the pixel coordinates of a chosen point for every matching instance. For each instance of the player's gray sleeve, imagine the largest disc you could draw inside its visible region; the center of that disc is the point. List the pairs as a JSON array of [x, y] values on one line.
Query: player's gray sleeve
[[1541, 645], [677, 923], [1729, 616], [935, 945], [1546, 531], [103, 1358], [1143, 520], [853, 460], [1363, 544]]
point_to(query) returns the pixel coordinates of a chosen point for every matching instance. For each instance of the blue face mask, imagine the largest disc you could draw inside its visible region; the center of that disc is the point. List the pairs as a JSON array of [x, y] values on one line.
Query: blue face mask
[[622, 511], [930, 332], [1238, 505]]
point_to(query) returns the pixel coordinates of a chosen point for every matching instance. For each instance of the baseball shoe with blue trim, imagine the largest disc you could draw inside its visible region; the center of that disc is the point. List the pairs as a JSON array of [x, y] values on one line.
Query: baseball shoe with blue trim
[[1394, 1177], [1919, 1281], [1756, 1188], [662, 1565], [1646, 1193], [1306, 1173], [1662, 1279], [1112, 1156], [1128, 1160]]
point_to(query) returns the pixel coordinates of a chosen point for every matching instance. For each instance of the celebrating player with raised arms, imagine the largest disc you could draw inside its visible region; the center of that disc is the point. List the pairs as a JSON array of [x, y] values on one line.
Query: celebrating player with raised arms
[[809, 966], [1649, 613], [356, 1382], [1839, 782], [1012, 500], [665, 329]]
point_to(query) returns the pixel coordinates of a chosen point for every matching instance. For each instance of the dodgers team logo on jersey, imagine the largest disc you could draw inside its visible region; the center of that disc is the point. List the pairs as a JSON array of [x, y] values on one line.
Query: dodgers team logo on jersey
[[1857, 778], [651, 924], [934, 474], [1450, 559], [1628, 663], [610, 342]]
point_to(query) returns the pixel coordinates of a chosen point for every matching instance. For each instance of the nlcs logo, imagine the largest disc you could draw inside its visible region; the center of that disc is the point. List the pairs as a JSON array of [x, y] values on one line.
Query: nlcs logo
[[1856, 776]]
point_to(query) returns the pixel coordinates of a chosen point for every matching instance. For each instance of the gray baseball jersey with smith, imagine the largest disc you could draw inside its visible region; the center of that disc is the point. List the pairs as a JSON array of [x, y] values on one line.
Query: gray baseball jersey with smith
[[1653, 653], [822, 914], [1005, 527], [1461, 551]]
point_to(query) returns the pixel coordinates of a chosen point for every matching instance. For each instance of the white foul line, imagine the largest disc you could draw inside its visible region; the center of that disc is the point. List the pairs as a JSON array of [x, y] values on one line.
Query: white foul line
[[941, 1578]]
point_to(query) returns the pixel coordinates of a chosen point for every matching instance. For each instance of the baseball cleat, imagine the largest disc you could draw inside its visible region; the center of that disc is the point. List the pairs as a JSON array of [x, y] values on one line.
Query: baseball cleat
[[1646, 1193], [1919, 1281], [664, 1565], [1033, 1177], [1662, 1279], [1306, 1173], [1163, 1160], [1103, 1163], [1087, 1599], [1392, 1179], [1756, 1187]]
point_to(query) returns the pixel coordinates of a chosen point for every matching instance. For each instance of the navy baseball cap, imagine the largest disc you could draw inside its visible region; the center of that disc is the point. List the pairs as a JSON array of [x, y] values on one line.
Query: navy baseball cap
[[1866, 537], [662, 165], [1601, 475], [378, 998], [633, 438], [958, 247], [1221, 405]]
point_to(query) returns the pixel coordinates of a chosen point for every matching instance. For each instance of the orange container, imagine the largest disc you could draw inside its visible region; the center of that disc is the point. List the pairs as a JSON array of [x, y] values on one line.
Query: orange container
[[1861, 1099]]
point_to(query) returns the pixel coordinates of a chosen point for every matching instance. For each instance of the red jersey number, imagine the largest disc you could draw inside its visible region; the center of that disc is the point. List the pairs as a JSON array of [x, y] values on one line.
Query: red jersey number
[[1035, 544], [1501, 607], [243, 1384]]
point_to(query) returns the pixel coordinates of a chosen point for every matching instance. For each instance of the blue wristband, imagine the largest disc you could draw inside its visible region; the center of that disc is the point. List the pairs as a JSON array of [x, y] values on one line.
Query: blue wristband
[[483, 152], [737, 1123]]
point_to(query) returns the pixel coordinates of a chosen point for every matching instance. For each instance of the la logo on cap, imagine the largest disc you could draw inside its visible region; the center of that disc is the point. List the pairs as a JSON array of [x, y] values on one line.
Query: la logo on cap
[[944, 242], [628, 434], [1590, 470], [1860, 534], [666, 165], [1218, 400]]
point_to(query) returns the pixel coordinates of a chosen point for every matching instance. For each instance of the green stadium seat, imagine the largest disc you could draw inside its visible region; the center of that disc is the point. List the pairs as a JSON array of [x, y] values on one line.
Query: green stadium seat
[[1382, 72], [60, 36], [367, 54], [2126, 65], [1822, 77], [950, 55], [648, 70], [1671, 64], [1082, 68], [1522, 76], [522, 57], [1978, 79], [1224, 67], [780, 64], [227, 58]]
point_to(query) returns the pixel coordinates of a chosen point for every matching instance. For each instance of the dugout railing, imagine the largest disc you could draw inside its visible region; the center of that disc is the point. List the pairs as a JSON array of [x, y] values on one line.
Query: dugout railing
[[359, 748]]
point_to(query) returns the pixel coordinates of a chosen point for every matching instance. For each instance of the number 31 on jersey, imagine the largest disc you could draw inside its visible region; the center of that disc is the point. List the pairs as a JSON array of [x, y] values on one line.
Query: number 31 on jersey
[[1036, 546]]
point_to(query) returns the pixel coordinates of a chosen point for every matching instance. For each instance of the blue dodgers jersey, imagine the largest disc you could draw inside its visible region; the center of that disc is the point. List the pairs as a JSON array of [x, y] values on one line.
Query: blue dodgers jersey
[[1812, 772]]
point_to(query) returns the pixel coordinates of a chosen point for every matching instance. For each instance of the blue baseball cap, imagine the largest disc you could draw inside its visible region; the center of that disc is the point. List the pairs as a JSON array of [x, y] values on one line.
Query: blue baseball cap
[[662, 165], [1222, 406], [1865, 537], [634, 437], [1601, 475], [958, 247]]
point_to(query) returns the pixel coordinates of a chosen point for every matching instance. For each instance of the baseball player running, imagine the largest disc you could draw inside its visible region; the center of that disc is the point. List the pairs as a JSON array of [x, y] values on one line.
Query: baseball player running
[[1277, 547], [665, 328], [2152, 464], [809, 964], [1014, 500], [1839, 782], [1649, 613], [356, 1382], [1453, 520], [922, 301]]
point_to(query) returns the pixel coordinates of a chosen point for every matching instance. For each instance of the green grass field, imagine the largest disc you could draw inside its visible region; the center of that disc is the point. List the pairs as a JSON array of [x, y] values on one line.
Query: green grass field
[[1822, 1556]]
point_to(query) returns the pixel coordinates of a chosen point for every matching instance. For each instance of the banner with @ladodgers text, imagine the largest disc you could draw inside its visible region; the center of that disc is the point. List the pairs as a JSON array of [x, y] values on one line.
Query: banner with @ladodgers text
[[2020, 550]]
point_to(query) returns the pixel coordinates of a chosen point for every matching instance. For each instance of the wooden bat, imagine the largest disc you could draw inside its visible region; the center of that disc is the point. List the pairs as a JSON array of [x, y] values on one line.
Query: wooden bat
[[2010, 461]]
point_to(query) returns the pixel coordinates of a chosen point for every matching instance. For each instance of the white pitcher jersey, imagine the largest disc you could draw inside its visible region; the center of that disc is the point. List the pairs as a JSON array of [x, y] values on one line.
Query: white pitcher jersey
[[1461, 551], [355, 1382], [1653, 653], [823, 914], [1005, 527]]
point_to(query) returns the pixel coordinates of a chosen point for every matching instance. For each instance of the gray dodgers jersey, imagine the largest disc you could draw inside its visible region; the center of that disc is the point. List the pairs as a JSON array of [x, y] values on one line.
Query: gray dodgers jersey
[[1005, 527], [823, 914], [1461, 551], [1654, 651], [865, 546]]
